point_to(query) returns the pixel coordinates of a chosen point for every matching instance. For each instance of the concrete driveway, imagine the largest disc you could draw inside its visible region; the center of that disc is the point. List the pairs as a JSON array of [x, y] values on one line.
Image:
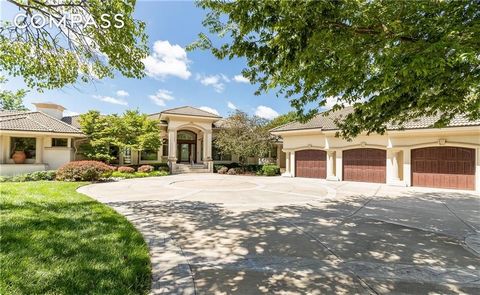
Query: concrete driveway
[[218, 234]]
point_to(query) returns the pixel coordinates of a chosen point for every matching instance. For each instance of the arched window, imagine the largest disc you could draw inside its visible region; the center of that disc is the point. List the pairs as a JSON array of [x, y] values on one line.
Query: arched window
[[186, 135]]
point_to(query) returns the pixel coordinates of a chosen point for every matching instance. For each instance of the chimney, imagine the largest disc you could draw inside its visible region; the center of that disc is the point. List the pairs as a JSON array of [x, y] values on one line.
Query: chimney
[[51, 109]]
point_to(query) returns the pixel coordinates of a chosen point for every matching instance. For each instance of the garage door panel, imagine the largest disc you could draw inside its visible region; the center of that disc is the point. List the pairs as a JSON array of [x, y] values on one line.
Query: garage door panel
[[365, 165], [444, 167], [311, 164]]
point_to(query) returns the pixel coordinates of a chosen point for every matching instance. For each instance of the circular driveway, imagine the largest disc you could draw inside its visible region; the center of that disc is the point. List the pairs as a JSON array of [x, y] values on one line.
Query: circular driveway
[[220, 234]]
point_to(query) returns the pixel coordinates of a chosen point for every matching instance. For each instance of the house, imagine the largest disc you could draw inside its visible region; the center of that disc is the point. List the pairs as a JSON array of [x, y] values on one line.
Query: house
[[415, 155], [50, 140]]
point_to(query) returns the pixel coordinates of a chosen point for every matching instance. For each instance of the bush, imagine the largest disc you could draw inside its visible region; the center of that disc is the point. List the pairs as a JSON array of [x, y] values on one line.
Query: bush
[[117, 174], [232, 171], [43, 175], [223, 170], [84, 171], [145, 168], [270, 170], [125, 169], [34, 176]]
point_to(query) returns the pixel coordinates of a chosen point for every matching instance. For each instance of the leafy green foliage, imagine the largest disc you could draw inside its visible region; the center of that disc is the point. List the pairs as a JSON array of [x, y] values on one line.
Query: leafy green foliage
[[282, 120], [53, 57], [270, 170], [11, 100], [393, 60], [131, 130], [34, 176], [244, 135], [58, 241], [118, 174]]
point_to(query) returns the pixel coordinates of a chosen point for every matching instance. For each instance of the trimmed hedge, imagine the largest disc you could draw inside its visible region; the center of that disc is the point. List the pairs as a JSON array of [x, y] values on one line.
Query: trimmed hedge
[[156, 166], [248, 168], [84, 171], [34, 176], [270, 170], [146, 168], [117, 174], [125, 169]]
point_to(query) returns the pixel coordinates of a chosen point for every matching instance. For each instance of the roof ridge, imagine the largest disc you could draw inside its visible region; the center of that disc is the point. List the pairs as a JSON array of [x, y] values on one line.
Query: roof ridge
[[12, 118], [35, 121], [64, 123]]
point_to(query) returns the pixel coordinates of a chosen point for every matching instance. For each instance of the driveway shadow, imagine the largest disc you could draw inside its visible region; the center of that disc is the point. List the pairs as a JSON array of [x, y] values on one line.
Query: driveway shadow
[[411, 243]]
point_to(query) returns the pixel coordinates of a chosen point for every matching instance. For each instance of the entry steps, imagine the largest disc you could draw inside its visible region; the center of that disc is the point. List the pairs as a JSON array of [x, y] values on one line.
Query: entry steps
[[189, 168]]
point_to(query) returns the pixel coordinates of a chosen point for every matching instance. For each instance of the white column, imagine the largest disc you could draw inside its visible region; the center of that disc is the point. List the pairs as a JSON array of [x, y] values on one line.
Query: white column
[[292, 164], [208, 146], [407, 177], [39, 150], [287, 164], [331, 158], [477, 172], [172, 145], [204, 156], [3, 148], [339, 164]]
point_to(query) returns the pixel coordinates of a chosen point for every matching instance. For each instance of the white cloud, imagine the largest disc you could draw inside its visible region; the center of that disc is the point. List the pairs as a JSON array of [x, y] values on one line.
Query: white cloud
[[266, 112], [110, 99], [216, 81], [240, 79], [167, 60], [122, 93], [231, 106], [210, 110], [161, 96]]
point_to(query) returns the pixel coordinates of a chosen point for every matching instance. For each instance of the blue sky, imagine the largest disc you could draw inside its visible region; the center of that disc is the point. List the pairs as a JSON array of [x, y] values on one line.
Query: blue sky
[[175, 77]]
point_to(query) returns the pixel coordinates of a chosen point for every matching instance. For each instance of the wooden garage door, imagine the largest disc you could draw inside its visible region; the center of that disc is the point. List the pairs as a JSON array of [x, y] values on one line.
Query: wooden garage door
[[444, 167], [311, 163], [367, 165]]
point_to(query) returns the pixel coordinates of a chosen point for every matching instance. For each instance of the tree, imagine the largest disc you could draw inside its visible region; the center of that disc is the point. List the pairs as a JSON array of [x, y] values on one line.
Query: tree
[[54, 43], [244, 135], [11, 100], [392, 60], [132, 130], [282, 120]]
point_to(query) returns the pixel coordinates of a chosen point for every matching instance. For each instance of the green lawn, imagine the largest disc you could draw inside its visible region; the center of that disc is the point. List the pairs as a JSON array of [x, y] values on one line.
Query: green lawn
[[57, 241]]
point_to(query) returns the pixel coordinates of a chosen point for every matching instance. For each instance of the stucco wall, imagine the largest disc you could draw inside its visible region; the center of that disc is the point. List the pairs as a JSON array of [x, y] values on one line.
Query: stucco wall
[[398, 145]]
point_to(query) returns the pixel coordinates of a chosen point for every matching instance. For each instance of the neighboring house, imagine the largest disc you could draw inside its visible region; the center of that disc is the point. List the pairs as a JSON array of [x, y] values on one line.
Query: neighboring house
[[187, 134], [416, 155], [44, 138]]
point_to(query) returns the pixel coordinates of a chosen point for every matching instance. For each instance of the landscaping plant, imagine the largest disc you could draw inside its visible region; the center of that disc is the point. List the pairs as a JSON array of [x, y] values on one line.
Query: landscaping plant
[[84, 171]]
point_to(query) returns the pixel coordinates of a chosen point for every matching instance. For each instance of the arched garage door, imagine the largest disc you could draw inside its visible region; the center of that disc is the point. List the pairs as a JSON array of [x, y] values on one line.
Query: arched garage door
[[311, 163], [366, 165], [444, 167]]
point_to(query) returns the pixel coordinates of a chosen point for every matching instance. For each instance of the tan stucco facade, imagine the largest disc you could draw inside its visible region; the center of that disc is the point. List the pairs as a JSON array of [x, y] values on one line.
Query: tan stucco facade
[[397, 144]]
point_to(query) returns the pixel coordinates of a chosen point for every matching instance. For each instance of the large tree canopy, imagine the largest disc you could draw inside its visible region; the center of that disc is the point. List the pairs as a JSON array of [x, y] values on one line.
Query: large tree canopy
[[393, 60], [131, 130], [244, 135], [11, 100], [54, 43]]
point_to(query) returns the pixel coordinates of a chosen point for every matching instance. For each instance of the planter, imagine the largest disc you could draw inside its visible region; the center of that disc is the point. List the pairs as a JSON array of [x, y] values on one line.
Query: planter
[[19, 157]]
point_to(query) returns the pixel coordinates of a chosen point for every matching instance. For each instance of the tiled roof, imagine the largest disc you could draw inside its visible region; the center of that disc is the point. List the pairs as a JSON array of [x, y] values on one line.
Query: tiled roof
[[34, 121], [189, 111], [328, 122]]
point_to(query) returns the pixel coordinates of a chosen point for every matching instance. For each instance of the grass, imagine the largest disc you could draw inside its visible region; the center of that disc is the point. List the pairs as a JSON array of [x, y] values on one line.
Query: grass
[[54, 240]]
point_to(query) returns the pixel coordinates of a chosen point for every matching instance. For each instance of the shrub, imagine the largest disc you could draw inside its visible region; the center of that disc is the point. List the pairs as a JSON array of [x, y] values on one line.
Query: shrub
[[270, 170], [125, 169], [43, 175], [145, 168], [223, 170], [231, 171], [84, 171], [117, 174]]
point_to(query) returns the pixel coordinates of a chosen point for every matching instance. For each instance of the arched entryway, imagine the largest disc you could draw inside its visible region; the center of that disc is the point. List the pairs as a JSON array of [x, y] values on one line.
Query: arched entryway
[[186, 146]]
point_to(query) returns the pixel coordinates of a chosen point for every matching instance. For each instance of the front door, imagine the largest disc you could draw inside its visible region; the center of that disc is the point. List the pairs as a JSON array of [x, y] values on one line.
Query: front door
[[184, 152]]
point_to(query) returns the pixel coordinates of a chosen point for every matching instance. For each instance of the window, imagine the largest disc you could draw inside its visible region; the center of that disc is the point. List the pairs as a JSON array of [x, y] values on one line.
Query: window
[[165, 148], [149, 155], [218, 155], [61, 142], [26, 144], [185, 135], [127, 156]]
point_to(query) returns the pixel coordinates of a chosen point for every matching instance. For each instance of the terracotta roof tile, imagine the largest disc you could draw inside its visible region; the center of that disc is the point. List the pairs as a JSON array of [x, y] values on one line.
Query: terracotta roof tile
[[34, 121]]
